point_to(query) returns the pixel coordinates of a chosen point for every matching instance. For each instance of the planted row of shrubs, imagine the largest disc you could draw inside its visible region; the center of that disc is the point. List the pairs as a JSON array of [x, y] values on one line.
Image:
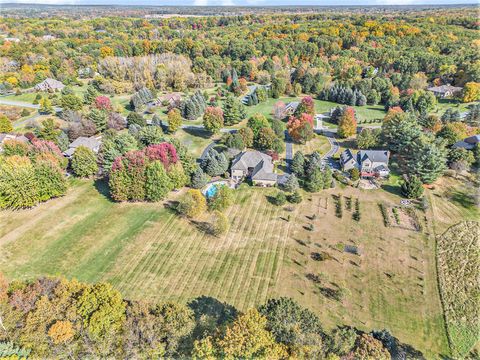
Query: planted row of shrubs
[[383, 210]]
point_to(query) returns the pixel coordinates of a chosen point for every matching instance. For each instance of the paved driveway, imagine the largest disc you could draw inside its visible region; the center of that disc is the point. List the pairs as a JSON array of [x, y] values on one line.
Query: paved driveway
[[288, 150]]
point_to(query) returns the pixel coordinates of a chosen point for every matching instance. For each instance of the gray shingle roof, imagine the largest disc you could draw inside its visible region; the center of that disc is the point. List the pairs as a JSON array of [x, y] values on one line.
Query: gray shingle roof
[[380, 156], [445, 88], [89, 142], [261, 163], [346, 156]]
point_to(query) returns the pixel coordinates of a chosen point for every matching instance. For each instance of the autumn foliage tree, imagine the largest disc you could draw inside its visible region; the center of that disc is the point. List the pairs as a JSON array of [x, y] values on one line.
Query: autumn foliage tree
[[134, 177], [347, 125], [301, 128], [213, 119], [174, 119], [37, 176]]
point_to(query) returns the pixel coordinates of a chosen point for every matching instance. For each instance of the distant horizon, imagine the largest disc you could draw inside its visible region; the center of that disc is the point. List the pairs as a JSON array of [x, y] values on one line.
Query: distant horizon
[[241, 3]]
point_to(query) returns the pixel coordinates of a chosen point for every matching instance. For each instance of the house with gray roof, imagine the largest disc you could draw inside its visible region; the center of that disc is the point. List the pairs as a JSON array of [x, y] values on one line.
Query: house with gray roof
[[49, 84], [291, 107], [254, 165], [445, 91], [468, 143], [6, 137], [93, 143], [370, 163]]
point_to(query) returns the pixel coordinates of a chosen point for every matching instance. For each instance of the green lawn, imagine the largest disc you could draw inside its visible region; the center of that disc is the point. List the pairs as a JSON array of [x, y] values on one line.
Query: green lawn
[[149, 253], [370, 113], [444, 104]]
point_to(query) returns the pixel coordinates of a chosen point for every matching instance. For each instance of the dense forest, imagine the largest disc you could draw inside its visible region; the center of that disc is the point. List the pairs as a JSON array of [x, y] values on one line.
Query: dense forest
[[51, 317], [384, 53]]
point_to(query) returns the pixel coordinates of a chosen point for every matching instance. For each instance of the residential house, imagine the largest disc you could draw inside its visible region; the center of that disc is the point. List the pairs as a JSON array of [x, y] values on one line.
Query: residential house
[[49, 85], [370, 163], [252, 89], [12, 39], [445, 91], [6, 137], [93, 143], [468, 143], [291, 108], [172, 100], [48, 37], [347, 160], [254, 165]]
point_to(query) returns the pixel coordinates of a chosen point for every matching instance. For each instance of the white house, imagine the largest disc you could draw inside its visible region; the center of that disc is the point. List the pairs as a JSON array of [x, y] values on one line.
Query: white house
[[49, 85], [445, 91], [370, 163]]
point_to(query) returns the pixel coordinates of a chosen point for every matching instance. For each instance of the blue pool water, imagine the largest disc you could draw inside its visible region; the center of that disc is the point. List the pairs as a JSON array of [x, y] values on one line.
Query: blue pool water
[[211, 191]]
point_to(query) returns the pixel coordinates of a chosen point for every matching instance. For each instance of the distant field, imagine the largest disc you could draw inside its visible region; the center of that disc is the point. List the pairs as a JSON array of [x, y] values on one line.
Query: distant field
[[368, 112], [146, 251]]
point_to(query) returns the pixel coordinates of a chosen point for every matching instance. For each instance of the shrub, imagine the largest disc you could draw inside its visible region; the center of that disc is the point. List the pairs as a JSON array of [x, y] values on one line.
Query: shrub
[[222, 199], [219, 224], [279, 199], [84, 162], [386, 218], [5, 124], [295, 198], [157, 182], [412, 187], [338, 205], [192, 204], [356, 215], [354, 174]]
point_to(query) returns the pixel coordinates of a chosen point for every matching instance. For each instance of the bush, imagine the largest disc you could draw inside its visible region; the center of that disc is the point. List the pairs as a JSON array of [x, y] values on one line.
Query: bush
[[84, 162], [338, 205], [396, 215], [354, 174], [136, 119], [198, 178], [386, 218], [279, 199], [219, 224], [356, 215], [192, 204], [295, 198], [412, 187], [222, 199]]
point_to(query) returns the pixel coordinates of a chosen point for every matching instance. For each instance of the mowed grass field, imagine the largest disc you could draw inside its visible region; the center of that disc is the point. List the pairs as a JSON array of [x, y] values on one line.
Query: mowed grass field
[[148, 252]]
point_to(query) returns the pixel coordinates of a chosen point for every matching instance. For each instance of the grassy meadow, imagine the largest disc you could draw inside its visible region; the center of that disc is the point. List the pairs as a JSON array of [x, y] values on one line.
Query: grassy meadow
[[148, 252]]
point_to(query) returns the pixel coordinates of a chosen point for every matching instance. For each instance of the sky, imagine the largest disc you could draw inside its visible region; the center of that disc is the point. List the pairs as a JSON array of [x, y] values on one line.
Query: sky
[[243, 2]]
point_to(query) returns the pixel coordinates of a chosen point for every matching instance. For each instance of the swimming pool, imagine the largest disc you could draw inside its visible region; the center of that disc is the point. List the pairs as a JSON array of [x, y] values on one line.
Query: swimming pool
[[212, 189]]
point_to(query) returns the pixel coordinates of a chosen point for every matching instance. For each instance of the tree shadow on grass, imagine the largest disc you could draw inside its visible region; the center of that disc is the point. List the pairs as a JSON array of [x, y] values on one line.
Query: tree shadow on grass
[[203, 226], [101, 185], [461, 198], [171, 206], [392, 189], [199, 132]]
